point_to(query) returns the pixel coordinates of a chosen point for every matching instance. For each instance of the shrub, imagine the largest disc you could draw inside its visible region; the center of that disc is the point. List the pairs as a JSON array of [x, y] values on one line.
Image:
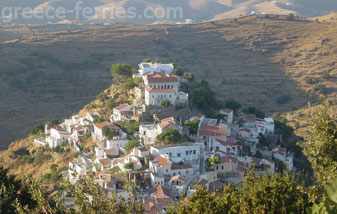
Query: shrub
[[132, 144], [283, 99], [128, 165], [291, 17], [37, 130], [165, 102], [308, 80], [27, 159]]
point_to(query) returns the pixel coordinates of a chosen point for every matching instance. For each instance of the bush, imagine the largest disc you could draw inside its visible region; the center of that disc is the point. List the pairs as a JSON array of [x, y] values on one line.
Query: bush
[[169, 137], [37, 130], [291, 17], [27, 159], [110, 104], [251, 110], [128, 165], [283, 99], [165, 102], [232, 104], [309, 80], [132, 144]]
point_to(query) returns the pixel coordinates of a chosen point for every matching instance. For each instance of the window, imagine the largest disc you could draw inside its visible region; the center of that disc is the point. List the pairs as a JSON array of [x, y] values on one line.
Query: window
[[186, 152], [222, 167], [166, 170], [186, 171], [217, 167], [170, 96], [179, 172], [178, 155], [194, 152]]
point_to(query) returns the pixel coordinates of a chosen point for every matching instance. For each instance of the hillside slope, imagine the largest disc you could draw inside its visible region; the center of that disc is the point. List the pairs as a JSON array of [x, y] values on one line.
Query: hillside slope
[[273, 64], [197, 10]]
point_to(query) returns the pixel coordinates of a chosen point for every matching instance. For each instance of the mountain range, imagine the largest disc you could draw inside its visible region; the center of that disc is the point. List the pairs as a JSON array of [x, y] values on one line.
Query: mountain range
[[196, 11]]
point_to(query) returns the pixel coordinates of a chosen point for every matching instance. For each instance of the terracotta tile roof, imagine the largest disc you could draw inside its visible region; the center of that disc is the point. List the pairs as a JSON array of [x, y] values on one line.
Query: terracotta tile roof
[[143, 149], [249, 117], [229, 159], [102, 124], [159, 90], [199, 115], [105, 162], [161, 191], [178, 177], [112, 150], [122, 106], [155, 79], [79, 128], [156, 74], [229, 142], [162, 161], [226, 110], [245, 130], [202, 182], [167, 119], [212, 131], [185, 166]]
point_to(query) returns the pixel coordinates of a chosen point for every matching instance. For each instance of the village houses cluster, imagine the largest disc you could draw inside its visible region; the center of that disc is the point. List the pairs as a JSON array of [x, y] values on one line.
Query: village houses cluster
[[219, 153]]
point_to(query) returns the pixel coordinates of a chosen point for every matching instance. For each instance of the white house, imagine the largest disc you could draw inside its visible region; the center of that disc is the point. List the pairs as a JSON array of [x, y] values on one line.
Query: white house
[[208, 135], [146, 67], [98, 130], [228, 113], [77, 169], [185, 152], [154, 96], [156, 179], [265, 125], [58, 136], [121, 112], [160, 166], [92, 116]]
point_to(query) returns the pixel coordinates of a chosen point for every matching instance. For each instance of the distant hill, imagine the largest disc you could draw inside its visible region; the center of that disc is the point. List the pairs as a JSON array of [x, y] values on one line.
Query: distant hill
[[197, 10], [271, 63]]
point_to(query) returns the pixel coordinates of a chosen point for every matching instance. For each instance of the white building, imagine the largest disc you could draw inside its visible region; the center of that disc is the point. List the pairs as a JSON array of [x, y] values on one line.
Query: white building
[[146, 67], [265, 126], [185, 152], [228, 113], [121, 112], [58, 136]]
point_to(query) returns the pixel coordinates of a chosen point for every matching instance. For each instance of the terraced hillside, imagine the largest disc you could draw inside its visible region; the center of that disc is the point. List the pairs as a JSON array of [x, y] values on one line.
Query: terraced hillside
[[266, 61]]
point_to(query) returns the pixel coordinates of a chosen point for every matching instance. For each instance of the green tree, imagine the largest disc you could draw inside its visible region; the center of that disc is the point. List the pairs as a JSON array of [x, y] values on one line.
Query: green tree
[[213, 161], [37, 130], [165, 102], [192, 126], [321, 148], [132, 144], [110, 104], [13, 190], [329, 205], [255, 111], [122, 71], [169, 136], [128, 165], [204, 98], [178, 71], [232, 104], [266, 194]]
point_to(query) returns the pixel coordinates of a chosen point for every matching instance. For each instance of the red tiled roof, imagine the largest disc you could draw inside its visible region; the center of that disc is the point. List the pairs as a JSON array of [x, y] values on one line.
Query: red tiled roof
[[154, 79], [162, 161], [229, 142], [212, 130], [249, 117], [112, 150], [160, 191], [122, 106], [105, 162], [185, 166], [102, 124], [202, 182], [229, 159], [159, 90], [226, 110]]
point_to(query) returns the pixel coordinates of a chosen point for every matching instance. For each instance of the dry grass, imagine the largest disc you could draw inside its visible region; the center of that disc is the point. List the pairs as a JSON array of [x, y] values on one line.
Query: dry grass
[[252, 59]]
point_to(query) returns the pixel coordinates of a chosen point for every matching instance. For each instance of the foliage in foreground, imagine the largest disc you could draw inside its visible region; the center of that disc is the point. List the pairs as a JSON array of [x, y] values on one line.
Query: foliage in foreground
[[274, 194], [321, 148], [330, 204]]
